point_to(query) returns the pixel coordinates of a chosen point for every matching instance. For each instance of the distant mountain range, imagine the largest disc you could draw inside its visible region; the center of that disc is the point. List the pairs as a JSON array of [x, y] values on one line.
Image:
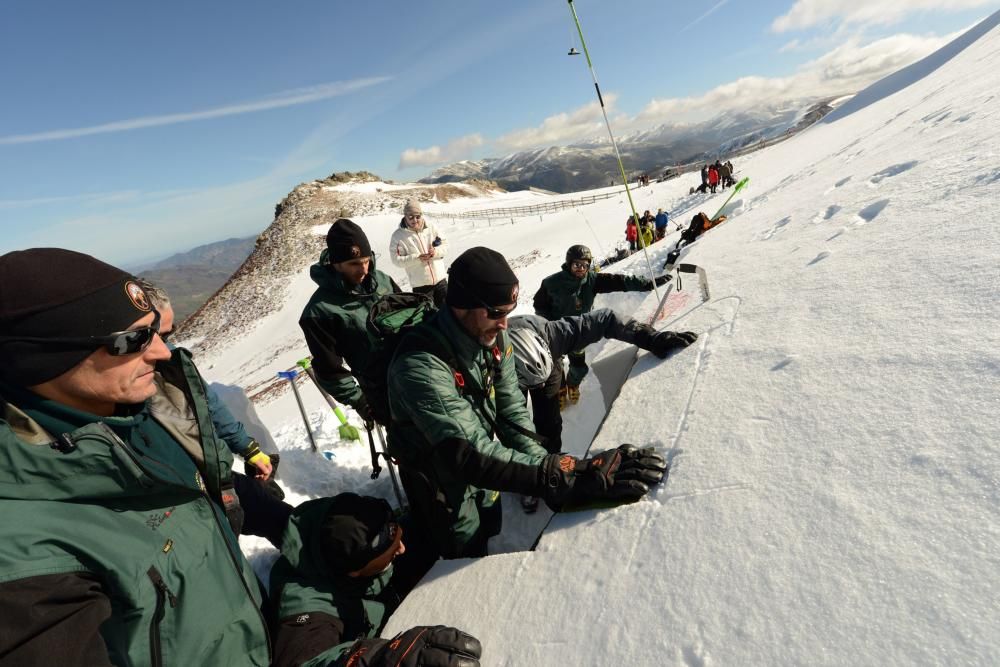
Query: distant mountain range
[[192, 277], [592, 164]]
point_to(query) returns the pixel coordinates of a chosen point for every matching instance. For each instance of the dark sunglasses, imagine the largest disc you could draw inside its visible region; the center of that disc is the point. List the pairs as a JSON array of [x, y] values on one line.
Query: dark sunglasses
[[117, 344], [579, 264], [414, 217]]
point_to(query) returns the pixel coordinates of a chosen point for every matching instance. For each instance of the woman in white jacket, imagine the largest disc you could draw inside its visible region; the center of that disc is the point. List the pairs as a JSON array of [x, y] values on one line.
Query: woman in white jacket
[[418, 247]]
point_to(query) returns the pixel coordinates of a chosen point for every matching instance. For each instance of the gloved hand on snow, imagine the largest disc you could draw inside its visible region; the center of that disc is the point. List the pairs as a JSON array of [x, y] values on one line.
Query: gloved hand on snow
[[665, 342], [422, 646], [623, 474], [661, 280]]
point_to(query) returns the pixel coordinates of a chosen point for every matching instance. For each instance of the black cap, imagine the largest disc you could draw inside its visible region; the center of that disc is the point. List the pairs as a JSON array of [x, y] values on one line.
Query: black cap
[[355, 532], [481, 277], [347, 241], [56, 293]]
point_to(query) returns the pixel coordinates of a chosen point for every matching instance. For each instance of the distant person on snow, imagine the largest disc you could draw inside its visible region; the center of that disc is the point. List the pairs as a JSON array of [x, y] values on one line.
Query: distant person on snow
[[340, 577], [264, 513], [700, 224], [571, 291], [662, 220], [453, 392], [713, 178], [725, 176], [631, 233], [419, 247], [704, 178], [335, 320]]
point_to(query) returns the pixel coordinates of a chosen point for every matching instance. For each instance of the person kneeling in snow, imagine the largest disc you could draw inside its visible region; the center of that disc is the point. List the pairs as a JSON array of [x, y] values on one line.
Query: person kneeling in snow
[[452, 388], [572, 292], [341, 574]]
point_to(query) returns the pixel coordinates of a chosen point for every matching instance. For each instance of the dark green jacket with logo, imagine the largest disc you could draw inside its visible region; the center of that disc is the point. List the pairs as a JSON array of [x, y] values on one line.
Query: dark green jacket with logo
[[319, 615], [114, 548], [443, 435], [334, 323], [563, 294]]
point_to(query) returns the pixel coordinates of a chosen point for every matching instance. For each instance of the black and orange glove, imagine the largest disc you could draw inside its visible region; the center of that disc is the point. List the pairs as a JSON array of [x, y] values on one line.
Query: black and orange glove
[[623, 474], [664, 342], [422, 646]]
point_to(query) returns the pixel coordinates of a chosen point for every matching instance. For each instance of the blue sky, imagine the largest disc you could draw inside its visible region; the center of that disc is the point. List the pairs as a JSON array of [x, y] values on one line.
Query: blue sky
[[131, 131]]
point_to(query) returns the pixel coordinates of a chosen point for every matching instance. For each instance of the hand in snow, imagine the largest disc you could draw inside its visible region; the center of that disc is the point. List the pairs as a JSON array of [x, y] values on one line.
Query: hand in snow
[[422, 646], [623, 474], [665, 342]]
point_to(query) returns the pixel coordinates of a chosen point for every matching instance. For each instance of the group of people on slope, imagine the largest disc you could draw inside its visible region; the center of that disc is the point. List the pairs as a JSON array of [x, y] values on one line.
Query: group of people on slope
[[648, 230], [120, 511], [717, 175]]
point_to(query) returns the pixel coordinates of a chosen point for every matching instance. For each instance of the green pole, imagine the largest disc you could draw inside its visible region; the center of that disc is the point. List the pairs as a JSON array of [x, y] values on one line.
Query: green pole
[[614, 143], [739, 186]]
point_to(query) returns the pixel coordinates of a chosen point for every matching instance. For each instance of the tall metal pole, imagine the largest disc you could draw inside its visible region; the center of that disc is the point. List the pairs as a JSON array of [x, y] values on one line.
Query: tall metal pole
[[618, 155]]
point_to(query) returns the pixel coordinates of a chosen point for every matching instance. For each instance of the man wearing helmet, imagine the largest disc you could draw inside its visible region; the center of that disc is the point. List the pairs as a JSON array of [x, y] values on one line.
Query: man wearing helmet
[[572, 292], [536, 341]]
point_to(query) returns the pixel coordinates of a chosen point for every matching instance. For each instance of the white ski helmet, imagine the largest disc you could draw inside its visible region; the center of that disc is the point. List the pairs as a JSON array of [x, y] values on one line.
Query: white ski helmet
[[532, 357]]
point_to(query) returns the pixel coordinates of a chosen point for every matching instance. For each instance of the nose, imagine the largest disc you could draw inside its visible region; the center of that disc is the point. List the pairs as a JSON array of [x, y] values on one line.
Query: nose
[[502, 322], [157, 350]]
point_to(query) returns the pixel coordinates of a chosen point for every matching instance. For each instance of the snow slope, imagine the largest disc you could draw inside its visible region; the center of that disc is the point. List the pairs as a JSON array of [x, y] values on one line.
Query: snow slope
[[835, 490]]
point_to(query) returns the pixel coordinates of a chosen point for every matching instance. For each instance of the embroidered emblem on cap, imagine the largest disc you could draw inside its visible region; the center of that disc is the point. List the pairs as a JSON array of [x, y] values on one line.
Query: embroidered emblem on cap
[[137, 296], [355, 251]]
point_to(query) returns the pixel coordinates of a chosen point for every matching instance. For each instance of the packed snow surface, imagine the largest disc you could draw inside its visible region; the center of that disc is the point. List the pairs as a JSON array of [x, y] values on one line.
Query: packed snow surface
[[834, 496]]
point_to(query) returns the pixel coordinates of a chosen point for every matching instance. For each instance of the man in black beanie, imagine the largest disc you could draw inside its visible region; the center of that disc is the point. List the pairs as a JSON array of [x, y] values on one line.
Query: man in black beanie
[[110, 514], [334, 322], [452, 388]]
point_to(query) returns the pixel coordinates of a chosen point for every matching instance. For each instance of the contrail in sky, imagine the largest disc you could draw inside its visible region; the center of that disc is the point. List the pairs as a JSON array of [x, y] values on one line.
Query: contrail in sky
[[704, 16], [286, 98]]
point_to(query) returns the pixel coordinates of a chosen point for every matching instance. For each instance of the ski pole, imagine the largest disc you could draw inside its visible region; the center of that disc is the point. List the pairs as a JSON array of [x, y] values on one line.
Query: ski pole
[[290, 376], [347, 432], [614, 143], [391, 465]]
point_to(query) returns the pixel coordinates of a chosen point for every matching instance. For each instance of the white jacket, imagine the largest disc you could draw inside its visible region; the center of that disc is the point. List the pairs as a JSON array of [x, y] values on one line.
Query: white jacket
[[405, 249]]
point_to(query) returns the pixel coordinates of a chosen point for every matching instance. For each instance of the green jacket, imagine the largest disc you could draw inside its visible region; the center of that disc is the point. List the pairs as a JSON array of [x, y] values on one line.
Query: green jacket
[[319, 615], [443, 437], [563, 294], [114, 549], [334, 323]]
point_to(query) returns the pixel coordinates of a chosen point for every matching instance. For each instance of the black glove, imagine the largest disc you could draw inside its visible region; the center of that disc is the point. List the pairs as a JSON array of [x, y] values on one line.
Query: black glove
[[367, 413], [422, 646], [622, 474], [660, 280], [665, 342]]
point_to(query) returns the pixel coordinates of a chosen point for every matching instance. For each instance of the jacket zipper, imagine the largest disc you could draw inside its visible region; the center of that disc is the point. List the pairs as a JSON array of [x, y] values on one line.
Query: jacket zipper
[[118, 442], [163, 595]]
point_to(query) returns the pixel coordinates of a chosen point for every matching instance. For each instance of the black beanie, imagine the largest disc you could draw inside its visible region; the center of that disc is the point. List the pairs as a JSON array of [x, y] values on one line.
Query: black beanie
[[353, 532], [481, 277], [56, 293], [346, 241]]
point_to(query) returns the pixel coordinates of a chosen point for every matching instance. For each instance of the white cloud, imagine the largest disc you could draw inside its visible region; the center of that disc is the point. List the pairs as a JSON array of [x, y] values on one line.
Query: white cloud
[[283, 99], [581, 123], [811, 13], [847, 68], [456, 149]]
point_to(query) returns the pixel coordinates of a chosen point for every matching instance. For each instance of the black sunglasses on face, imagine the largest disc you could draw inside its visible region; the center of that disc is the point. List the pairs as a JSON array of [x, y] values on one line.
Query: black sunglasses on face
[[117, 344], [578, 264]]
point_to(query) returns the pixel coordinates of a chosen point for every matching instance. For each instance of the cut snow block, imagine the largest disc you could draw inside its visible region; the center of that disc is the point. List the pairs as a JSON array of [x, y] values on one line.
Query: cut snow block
[[235, 399]]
